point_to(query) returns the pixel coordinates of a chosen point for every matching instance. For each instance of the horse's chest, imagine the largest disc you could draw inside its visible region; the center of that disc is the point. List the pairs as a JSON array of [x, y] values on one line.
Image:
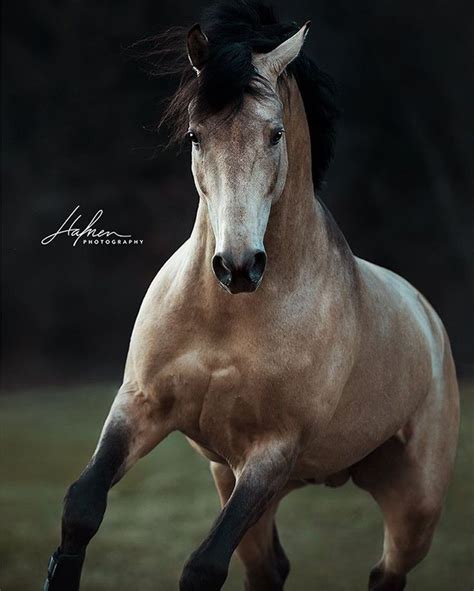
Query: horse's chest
[[226, 399]]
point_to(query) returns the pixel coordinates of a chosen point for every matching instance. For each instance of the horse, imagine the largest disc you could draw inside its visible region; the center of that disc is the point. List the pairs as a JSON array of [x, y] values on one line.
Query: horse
[[282, 357]]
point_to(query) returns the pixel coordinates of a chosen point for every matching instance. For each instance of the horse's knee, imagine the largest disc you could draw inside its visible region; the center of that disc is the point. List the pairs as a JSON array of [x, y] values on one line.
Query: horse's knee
[[84, 507], [199, 574], [424, 516]]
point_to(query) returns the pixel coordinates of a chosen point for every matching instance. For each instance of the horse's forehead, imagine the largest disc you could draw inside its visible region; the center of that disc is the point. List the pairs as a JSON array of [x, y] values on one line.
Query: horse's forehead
[[251, 116], [263, 108]]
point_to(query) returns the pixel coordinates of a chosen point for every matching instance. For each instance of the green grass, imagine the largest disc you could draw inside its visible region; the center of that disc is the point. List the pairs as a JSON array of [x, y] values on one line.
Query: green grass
[[164, 507]]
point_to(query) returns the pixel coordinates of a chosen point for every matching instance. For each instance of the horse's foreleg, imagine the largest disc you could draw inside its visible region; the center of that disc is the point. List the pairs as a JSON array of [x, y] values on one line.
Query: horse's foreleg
[[258, 485], [129, 433], [260, 551]]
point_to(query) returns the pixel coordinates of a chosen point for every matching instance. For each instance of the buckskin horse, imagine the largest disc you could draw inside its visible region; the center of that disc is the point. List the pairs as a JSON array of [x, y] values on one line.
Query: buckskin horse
[[282, 357]]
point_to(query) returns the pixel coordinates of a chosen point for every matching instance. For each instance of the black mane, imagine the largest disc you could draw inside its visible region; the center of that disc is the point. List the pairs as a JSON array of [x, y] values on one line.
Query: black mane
[[235, 30]]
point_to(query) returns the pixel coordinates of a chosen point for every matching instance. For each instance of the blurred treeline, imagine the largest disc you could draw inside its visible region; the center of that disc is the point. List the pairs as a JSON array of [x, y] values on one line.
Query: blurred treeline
[[78, 120]]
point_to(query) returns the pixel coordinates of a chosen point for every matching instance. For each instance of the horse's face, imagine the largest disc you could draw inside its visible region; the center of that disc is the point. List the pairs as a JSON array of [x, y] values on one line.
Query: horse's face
[[240, 164]]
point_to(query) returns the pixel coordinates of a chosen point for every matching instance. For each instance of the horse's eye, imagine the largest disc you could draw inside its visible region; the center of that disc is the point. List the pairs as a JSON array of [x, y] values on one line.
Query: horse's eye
[[192, 137], [276, 137]]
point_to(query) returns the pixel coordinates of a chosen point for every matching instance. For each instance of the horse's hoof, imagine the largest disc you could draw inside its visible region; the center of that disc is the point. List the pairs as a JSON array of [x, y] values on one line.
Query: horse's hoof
[[64, 572]]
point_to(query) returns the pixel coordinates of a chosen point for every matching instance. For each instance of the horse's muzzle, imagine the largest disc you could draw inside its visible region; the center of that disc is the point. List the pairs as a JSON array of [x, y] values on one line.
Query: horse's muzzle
[[239, 277]]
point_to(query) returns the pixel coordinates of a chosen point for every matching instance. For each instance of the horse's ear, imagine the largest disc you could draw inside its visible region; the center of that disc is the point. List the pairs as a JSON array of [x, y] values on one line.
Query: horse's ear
[[271, 65], [198, 48]]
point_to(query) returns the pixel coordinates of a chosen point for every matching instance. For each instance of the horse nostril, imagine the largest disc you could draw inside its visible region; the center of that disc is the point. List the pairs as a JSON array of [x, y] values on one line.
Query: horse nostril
[[242, 276], [221, 270], [257, 266]]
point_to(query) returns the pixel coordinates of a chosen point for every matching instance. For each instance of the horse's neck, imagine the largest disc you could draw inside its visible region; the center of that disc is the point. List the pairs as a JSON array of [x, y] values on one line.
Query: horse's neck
[[298, 239]]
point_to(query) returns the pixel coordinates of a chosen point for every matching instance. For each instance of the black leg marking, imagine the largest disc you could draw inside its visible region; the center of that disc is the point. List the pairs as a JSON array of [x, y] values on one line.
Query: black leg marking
[[64, 571], [86, 499], [84, 508], [379, 580], [257, 487]]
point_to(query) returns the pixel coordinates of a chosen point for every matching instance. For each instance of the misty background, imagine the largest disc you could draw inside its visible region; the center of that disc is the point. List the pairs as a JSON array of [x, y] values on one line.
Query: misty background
[[78, 128]]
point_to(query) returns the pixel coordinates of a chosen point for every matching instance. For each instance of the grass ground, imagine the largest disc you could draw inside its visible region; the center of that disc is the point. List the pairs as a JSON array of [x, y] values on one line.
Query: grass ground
[[160, 512]]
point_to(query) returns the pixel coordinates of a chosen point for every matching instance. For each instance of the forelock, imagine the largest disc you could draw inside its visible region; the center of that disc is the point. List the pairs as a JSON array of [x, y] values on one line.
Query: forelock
[[236, 30]]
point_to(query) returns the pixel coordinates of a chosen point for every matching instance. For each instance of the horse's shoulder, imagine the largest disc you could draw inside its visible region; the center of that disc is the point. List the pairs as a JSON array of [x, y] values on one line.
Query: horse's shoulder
[[397, 300], [387, 286]]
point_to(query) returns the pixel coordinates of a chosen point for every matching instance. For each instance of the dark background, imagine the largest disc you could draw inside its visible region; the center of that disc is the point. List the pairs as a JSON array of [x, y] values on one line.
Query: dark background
[[78, 118]]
